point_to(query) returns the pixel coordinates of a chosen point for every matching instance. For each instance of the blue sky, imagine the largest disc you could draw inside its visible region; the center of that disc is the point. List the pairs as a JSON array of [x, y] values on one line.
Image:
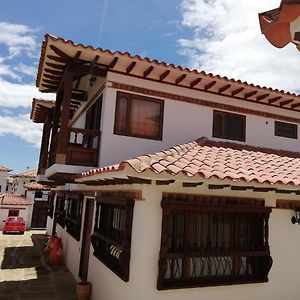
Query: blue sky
[[218, 36]]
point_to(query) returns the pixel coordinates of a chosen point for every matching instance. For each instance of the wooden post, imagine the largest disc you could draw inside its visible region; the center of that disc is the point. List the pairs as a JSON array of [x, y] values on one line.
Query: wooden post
[[44, 145], [63, 138]]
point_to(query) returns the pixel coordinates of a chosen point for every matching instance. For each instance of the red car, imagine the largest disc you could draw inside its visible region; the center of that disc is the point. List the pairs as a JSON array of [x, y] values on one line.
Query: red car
[[14, 224]]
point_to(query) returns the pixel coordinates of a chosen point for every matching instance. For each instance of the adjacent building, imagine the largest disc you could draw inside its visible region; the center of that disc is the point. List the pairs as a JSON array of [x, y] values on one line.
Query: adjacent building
[[168, 183]]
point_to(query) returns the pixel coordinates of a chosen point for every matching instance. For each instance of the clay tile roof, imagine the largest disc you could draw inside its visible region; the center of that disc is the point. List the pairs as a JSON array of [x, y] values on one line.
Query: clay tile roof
[[33, 186], [221, 160], [40, 109], [56, 52], [29, 173], [10, 199], [4, 169]]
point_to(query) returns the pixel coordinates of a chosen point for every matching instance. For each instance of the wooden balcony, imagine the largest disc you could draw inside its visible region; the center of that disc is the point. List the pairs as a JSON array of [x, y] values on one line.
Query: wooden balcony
[[82, 148]]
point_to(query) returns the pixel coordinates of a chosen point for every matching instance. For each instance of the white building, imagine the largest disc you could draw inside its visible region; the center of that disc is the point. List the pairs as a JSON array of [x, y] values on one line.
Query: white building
[[4, 174], [15, 205], [209, 218], [21, 179]]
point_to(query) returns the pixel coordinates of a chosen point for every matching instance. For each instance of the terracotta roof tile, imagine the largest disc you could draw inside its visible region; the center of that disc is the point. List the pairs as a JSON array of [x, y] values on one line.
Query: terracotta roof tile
[[29, 173], [210, 159], [11, 199], [4, 169], [35, 186]]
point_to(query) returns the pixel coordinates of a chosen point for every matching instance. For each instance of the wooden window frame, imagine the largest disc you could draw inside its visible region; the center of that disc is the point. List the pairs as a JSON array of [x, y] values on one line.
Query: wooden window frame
[[223, 134], [129, 98], [112, 245], [60, 209], [73, 219], [278, 132], [248, 254]]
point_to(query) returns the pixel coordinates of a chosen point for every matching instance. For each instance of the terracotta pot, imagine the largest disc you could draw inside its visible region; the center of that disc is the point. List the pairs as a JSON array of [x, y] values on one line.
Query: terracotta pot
[[83, 290]]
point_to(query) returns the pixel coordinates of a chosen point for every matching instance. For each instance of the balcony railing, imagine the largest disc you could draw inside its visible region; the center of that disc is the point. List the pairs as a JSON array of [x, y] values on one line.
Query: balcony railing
[[82, 149]]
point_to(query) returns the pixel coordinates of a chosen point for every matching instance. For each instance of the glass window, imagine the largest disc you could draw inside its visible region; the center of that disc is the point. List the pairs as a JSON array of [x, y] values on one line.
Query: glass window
[[229, 126], [286, 130], [138, 116]]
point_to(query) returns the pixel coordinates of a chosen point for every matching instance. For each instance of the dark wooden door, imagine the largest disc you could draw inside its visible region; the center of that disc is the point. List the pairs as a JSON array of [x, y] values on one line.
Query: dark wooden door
[[39, 214], [86, 239]]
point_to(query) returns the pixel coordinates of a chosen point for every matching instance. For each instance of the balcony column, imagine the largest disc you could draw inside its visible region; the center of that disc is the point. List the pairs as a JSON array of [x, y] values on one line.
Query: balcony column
[[63, 138], [45, 145]]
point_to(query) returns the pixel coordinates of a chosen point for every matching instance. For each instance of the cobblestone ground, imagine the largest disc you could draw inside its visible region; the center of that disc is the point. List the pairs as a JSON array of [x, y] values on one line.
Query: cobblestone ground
[[25, 272]]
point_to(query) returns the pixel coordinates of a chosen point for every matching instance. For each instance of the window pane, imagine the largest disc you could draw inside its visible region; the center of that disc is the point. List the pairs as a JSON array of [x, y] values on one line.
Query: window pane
[[234, 127], [120, 122], [145, 117]]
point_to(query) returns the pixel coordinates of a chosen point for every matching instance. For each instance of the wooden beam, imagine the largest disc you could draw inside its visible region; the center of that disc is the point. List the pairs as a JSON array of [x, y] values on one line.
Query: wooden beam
[[164, 182], [164, 75], [113, 63], [56, 66], [53, 72], [55, 78], [275, 99], [49, 86], [50, 82], [261, 97], [191, 184], [195, 82], [224, 88], [263, 189], [80, 70], [241, 188], [209, 85], [180, 78], [286, 102], [148, 71], [218, 186], [295, 105], [237, 91], [57, 59], [250, 94], [77, 55], [80, 96], [139, 180], [60, 53], [282, 191], [130, 67]]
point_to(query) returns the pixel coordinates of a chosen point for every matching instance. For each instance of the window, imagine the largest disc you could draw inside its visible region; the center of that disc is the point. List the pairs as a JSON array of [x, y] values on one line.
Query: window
[[13, 212], [50, 205], [73, 214], [229, 126], [210, 241], [111, 238], [139, 116], [60, 212], [286, 130]]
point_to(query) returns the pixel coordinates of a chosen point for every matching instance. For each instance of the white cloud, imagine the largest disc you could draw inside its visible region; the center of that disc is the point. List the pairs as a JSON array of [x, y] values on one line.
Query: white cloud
[[13, 95], [17, 37], [25, 69], [22, 127], [227, 41]]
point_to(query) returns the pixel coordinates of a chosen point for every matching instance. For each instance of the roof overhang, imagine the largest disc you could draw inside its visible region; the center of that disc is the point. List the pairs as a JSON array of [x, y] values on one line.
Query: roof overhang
[[281, 25], [41, 109], [57, 52]]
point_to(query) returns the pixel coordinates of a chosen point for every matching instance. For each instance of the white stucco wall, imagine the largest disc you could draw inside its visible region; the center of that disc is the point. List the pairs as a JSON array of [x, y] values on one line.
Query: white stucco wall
[[184, 122], [284, 243]]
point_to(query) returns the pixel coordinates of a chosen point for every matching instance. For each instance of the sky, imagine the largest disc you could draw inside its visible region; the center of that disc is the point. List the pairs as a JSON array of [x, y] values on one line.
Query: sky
[[218, 36]]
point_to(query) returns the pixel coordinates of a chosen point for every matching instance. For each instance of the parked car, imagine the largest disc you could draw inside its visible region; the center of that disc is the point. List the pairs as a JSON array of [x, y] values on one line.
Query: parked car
[[14, 224]]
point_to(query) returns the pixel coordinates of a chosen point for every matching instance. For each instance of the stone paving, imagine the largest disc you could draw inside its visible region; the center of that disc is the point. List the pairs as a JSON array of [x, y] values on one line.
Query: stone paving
[[25, 273]]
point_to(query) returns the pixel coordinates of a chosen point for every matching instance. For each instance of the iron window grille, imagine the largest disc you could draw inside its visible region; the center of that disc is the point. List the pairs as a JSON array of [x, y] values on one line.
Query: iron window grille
[[60, 211], [74, 214], [212, 241], [111, 238]]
